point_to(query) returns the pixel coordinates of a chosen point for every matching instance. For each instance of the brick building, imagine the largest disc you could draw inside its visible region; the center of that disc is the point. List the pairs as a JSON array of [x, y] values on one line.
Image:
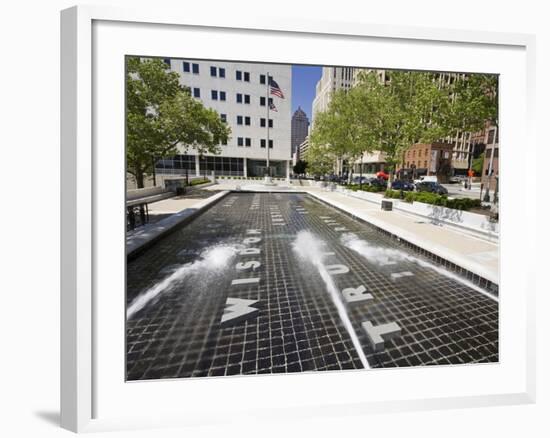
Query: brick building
[[427, 159]]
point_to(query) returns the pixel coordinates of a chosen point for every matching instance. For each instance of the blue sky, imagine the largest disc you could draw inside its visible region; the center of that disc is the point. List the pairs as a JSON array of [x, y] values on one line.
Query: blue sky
[[304, 79]]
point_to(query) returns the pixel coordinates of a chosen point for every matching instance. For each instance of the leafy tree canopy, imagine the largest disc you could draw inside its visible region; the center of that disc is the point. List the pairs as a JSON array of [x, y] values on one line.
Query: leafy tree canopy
[[300, 167], [320, 159]]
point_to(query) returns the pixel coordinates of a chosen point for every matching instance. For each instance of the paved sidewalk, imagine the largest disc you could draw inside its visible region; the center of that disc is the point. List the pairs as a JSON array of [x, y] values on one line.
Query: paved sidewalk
[[476, 255], [176, 204], [175, 211]]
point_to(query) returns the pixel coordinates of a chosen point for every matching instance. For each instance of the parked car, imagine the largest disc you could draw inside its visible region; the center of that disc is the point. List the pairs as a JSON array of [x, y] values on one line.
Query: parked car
[[378, 182], [426, 178], [432, 187], [402, 185], [457, 179], [360, 180]]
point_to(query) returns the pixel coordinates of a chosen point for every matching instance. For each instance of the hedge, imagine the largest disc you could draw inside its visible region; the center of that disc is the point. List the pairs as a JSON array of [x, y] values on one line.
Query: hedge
[[435, 199], [196, 182], [365, 188]]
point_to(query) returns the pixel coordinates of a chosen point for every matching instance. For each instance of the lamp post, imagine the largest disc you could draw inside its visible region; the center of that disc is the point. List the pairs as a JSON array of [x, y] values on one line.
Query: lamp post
[[486, 198]]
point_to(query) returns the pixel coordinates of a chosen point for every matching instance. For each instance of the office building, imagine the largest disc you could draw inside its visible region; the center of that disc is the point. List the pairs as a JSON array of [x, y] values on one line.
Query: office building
[[238, 92], [299, 129], [332, 80]]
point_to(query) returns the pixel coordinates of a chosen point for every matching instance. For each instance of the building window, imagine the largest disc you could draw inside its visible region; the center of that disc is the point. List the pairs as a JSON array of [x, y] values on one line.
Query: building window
[[196, 69], [222, 95], [262, 101], [262, 123], [214, 95], [239, 98], [247, 121], [425, 164], [262, 79], [197, 92], [247, 98], [239, 75], [221, 72], [247, 142], [167, 62], [419, 153], [246, 76], [186, 67], [239, 141], [223, 117], [490, 137], [213, 71], [262, 143], [239, 120]]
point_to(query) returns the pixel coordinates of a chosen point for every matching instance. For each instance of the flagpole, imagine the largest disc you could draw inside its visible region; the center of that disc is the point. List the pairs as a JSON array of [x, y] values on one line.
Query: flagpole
[[267, 121]]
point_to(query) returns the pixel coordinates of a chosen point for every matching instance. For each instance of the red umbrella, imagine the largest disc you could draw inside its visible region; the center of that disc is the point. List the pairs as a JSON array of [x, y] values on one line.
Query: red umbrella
[[382, 174]]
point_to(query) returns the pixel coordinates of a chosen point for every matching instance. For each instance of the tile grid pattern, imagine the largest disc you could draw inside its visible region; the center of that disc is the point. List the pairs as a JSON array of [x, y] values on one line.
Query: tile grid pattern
[[298, 327]]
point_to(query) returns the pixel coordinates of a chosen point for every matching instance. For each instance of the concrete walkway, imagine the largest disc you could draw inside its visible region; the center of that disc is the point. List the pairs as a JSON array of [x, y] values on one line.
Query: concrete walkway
[[173, 205], [178, 211], [476, 255]]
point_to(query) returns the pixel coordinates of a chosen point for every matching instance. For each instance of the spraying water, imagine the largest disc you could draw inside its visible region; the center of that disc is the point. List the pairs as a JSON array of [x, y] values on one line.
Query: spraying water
[[383, 256], [212, 260], [310, 250]]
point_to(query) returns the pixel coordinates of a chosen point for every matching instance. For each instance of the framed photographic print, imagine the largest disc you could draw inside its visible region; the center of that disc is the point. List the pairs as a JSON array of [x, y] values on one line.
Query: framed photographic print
[[331, 214]]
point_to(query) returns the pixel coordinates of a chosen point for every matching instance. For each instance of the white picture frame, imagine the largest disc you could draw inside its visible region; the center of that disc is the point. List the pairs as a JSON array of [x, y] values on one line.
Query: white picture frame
[[85, 176]]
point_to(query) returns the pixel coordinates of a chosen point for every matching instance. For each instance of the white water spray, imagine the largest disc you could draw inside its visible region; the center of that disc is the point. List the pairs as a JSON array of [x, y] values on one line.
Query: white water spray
[[383, 256], [310, 249], [212, 259]]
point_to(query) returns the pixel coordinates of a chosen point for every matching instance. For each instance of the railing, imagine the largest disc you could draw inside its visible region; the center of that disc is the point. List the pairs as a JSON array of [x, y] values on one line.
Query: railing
[[136, 216]]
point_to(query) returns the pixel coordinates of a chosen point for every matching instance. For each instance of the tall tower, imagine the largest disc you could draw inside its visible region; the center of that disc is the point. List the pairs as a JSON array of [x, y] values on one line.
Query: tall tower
[[299, 129]]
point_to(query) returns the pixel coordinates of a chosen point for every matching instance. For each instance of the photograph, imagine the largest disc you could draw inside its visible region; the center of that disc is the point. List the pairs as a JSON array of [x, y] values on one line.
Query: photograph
[[287, 218]]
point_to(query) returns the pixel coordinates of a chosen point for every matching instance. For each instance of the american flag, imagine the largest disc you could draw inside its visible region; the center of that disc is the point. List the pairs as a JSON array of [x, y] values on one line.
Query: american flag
[[272, 107], [275, 89]]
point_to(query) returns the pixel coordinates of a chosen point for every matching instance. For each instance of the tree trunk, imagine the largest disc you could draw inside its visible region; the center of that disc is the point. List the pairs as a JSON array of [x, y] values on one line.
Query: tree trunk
[[140, 179]]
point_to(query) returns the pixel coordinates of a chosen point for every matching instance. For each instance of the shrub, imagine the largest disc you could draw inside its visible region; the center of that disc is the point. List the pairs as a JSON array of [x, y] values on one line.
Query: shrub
[[394, 194], [442, 200], [196, 182]]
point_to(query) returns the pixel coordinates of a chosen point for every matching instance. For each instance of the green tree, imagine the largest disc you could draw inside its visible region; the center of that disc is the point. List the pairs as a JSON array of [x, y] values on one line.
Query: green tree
[[406, 110], [161, 115], [300, 167], [477, 164], [345, 126], [474, 102], [320, 159]]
